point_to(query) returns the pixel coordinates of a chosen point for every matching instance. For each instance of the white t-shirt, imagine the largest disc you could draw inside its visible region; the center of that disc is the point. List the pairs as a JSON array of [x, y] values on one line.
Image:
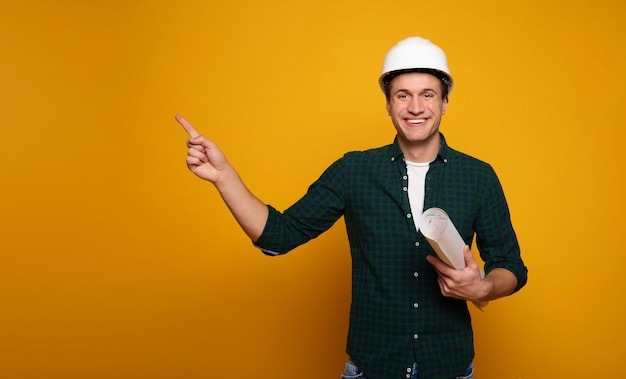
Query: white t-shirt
[[417, 183]]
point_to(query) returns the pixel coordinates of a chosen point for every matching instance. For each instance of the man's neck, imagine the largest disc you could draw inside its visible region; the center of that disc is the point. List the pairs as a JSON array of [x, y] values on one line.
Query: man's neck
[[421, 152]]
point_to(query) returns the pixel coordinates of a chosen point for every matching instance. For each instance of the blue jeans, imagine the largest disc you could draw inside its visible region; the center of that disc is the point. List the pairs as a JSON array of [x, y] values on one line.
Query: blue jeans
[[353, 372]]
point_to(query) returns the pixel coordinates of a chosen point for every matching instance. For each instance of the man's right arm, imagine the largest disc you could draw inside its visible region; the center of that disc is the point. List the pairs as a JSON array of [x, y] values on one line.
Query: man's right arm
[[206, 161]]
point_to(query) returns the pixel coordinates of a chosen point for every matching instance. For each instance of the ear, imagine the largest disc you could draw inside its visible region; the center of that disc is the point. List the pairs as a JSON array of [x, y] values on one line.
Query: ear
[[388, 107], [444, 107]]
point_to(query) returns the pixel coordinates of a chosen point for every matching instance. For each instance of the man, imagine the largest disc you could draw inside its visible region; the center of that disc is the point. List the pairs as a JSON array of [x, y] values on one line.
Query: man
[[409, 315]]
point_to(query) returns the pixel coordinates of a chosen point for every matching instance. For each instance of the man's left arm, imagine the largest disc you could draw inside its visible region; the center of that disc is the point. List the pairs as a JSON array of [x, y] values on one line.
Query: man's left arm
[[469, 284]]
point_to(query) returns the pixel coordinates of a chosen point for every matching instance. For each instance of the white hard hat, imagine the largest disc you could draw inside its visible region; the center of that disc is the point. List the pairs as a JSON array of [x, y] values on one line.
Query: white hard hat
[[415, 54]]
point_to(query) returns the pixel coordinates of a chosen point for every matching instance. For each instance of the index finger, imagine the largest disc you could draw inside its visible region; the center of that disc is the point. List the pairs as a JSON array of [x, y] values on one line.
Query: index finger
[[187, 126]]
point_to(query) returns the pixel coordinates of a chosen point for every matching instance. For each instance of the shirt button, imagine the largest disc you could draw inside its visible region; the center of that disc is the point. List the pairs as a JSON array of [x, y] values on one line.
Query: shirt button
[[393, 159], [404, 189], [408, 376], [416, 274], [408, 369], [415, 336], [408, 215], [417, 243], [405, 177], [415, 305]]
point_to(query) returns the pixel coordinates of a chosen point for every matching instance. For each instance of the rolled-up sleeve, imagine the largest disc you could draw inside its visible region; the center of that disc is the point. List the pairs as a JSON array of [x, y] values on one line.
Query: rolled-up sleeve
[[313, 214], [495, 237]]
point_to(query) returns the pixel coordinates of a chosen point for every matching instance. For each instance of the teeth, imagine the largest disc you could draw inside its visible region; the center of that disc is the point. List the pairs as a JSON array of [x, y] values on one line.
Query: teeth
[[419, 121]]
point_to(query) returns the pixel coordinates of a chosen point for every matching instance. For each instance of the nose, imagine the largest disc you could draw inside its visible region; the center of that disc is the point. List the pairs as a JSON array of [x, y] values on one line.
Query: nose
[[415, 105]]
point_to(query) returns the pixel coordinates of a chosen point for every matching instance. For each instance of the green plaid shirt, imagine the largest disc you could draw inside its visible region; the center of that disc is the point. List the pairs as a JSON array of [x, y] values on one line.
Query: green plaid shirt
[[398, 315]]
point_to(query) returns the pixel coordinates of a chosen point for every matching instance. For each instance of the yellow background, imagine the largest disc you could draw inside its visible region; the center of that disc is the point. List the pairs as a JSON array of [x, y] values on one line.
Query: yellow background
[[116, 262]]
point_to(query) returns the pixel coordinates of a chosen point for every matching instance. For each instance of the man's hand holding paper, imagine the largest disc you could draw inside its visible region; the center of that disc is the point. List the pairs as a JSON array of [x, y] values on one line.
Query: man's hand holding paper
[[465, 284]]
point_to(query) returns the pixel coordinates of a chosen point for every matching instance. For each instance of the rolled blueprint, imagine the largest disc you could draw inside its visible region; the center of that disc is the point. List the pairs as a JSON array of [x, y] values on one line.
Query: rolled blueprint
[[445, 239]]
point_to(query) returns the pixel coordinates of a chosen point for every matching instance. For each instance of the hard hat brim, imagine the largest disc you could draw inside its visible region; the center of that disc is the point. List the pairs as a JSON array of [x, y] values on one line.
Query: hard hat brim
[[387, 77]]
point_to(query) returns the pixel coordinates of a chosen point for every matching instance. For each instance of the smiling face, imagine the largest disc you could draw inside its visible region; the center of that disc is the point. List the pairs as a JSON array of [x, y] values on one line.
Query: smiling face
[[416, 105]]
